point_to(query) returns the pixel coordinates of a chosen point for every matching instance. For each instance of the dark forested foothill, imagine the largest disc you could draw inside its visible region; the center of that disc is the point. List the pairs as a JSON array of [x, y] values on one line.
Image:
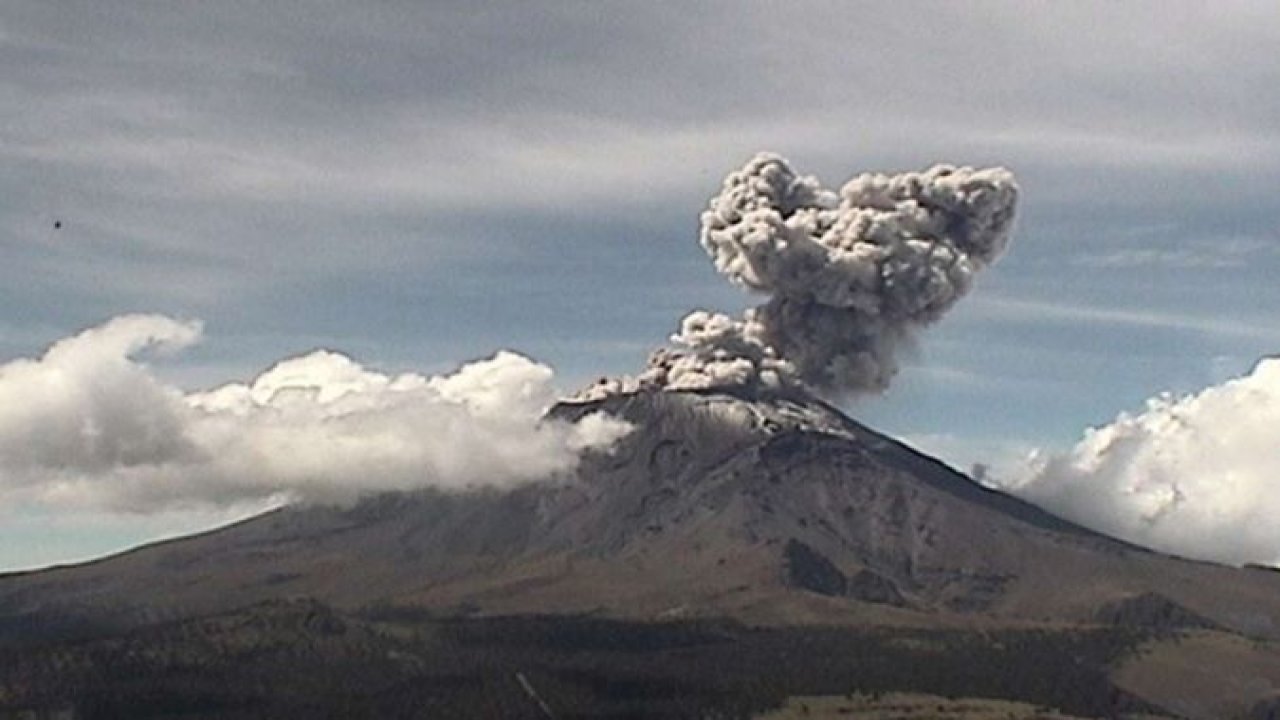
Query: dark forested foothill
[[303, 659]]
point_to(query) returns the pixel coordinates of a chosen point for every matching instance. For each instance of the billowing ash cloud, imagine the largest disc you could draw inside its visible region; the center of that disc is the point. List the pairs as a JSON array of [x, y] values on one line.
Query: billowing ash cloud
[[851, 275], [1197, 476], [89, 425]]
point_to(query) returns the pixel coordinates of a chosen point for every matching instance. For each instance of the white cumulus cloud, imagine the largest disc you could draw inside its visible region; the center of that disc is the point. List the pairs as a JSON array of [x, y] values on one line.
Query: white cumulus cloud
[[89, 425], [1198, 476]]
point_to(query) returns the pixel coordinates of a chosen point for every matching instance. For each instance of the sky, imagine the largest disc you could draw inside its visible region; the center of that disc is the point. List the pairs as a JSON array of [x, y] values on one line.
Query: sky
[[414, 186]]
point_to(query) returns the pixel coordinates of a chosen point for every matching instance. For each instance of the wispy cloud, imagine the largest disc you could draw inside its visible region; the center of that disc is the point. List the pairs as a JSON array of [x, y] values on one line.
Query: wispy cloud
[[1265, 330]]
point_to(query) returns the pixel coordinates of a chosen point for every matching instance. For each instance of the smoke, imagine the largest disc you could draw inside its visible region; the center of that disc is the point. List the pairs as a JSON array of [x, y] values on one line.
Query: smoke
[[851, 276], [1197, 476], [89, 425]]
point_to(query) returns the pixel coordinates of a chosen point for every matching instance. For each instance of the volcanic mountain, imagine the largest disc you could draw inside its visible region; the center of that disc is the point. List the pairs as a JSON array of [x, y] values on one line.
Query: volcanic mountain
[[776, 512]]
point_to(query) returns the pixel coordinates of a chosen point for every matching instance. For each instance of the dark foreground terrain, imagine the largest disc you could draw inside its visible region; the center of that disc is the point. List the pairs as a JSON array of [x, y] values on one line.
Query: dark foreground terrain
[[303, 659]]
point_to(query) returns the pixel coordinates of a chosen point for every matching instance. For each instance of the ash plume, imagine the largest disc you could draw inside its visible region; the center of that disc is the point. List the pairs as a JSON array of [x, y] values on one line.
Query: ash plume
[[851, 275]]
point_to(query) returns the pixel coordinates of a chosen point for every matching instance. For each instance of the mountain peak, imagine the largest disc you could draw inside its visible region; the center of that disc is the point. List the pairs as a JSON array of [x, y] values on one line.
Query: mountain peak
[[716, 416], [773, 509]]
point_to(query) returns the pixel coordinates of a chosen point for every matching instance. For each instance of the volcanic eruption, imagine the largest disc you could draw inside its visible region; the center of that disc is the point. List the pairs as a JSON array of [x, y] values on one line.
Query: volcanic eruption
[[714, 486], [850, 276]]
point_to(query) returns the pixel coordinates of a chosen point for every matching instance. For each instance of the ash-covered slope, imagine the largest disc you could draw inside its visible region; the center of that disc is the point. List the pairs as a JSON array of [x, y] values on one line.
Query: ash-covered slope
[[773, 511]]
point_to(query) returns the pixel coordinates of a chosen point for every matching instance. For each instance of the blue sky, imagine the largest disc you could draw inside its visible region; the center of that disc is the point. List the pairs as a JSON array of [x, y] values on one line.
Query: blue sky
[[417, 185]]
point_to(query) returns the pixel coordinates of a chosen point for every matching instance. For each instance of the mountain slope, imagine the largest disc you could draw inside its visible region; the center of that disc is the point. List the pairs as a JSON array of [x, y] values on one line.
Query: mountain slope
[[776, 511]]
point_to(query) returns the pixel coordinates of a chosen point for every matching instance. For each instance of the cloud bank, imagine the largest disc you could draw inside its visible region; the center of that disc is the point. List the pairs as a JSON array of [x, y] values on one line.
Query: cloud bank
[[89, 425], [851, 276], [1197, 476]]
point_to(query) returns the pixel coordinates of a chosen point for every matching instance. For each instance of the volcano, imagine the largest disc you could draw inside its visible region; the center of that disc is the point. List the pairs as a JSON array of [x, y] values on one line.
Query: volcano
[[766, 513]]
